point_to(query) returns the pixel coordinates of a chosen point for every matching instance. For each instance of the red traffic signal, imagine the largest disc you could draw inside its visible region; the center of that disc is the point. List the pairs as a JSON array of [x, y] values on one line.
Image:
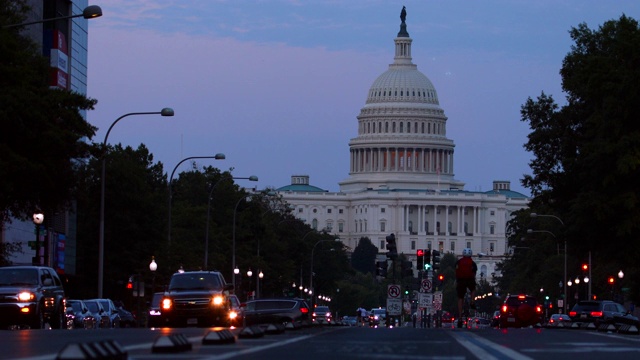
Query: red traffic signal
[[585, 267], [440, 277], [420, 252], [611, 280]]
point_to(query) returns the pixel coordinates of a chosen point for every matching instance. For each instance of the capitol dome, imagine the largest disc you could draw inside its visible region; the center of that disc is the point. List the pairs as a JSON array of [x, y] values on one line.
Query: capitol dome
[[402, 83]]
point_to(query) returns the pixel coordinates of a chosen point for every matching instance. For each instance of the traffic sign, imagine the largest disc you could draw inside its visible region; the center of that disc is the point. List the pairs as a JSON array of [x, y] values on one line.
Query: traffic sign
[[393, 291], [426, 285], [394, 307], [425, 300]]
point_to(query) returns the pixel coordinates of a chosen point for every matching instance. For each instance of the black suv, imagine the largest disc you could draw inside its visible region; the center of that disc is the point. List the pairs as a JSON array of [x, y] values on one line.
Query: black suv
[[601, 312], [196, 298], [32, 296], [291, 312], [520, 311]]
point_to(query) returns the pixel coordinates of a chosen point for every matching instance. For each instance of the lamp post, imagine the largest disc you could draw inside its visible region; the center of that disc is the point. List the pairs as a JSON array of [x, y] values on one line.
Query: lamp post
[[534, 215], [90, 12], [260, 276], [218, 156], [163, 112], [206, 241], [38, 219], [153, 266], [311, 266], [250, 274]]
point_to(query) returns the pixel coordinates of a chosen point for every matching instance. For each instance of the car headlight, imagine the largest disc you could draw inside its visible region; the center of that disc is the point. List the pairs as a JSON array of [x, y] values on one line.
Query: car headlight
[[26, 296], [166, 304], [217, 300], [233, 315]]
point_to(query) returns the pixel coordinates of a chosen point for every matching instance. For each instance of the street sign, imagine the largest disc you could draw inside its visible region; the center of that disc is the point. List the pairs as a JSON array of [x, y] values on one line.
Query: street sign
[[437, 300], [425, 300], [406, 305], [393, 291], [394, 306], [426, 284]]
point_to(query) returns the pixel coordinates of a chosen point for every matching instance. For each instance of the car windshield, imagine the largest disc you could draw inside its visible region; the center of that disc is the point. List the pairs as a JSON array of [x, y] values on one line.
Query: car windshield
[[75, 305], [15, 277], [93, 306], [195, 282], [587, 306], [322, 309]]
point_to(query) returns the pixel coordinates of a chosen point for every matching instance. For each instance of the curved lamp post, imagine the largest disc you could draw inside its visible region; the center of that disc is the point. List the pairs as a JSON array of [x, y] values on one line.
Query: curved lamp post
[[206, 241], [90, 12], [38, 219], [218, 156], [163, 112], [534, 215]]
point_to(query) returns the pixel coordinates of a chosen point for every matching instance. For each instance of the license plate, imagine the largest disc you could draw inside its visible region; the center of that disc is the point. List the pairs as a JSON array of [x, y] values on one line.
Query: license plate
[[192, 321], [583, 316], [511, 319]]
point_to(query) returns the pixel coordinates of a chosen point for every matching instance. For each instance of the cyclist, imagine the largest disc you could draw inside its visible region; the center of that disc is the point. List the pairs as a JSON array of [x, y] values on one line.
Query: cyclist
[[466, 270]]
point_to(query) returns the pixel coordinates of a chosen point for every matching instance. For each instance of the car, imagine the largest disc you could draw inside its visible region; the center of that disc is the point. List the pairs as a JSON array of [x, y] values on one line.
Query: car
[[127, 319], [349, 321], [558, 320], [237, 317], [377, 316], [196, 298], [495, 319], [321, 316], [520, 311], [478, 323], [291, 312], [112, 311], [31, 296], [79, 316], [102, 317], [153, 314], [602, 312]]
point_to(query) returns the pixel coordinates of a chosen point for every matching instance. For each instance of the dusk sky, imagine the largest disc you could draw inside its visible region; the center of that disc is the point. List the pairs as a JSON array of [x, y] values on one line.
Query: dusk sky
[[277, 85]]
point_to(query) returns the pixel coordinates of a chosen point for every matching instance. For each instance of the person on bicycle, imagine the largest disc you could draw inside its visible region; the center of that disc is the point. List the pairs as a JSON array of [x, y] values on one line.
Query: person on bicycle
[[466, 270]]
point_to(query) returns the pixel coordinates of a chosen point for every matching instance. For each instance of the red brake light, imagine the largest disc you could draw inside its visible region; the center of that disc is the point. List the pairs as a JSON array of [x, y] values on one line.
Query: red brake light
[[596, 314], [304, 310], [573, 313], [521, 297], [551, 321], [505, 308], [538, 309]]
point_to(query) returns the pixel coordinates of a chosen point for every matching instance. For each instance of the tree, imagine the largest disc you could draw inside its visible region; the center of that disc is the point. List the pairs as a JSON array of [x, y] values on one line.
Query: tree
[[44, 133], [363, 258], [586, 164]]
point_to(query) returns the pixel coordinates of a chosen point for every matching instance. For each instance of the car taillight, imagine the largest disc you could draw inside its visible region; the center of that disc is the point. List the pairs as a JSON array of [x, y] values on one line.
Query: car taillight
[[552, 321], [573, 313], [539, 309], [596, 314], [505, 308], [304, 310]]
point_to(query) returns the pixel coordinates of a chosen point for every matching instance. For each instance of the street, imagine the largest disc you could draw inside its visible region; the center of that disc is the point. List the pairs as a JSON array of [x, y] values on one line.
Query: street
[[340, 343]]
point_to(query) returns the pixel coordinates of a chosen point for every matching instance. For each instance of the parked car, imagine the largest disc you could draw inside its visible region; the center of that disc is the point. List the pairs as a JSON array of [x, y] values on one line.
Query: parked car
[[79, 316], [478, 323], [153, 314], [520, 311], [127, 319], [196, 298], [287, 311], [104, 321], [558, 320], [602, 312], [111, 310], [321, 316], [349, 321], [31, 296]]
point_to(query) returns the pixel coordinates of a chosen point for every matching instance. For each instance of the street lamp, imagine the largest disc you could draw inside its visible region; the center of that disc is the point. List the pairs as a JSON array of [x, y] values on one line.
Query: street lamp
[[153, 266], [206, 242], [90, 12], [260, 276], [38, 219], [163, 112], [534, 215], [218, 156], [311, 270]]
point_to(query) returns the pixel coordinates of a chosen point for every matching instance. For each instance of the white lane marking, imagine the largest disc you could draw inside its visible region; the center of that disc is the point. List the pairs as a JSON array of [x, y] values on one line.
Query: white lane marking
[[478, 346]]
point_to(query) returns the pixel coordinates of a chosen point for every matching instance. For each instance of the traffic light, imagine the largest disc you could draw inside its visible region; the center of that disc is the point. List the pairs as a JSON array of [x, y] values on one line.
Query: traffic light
[[130, 283], [435, 259], [611, 280], [420, 259], [392, 249], [441, 278], [381, 268], [585, 267], [427, 259], [407, 269]]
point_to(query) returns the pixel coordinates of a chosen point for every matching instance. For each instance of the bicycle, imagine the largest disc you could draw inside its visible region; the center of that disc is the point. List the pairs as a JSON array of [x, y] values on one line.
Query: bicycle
[[466, 310]]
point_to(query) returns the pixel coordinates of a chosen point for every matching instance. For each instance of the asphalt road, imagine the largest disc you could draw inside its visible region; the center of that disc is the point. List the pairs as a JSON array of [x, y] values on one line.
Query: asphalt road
[[332, 343]]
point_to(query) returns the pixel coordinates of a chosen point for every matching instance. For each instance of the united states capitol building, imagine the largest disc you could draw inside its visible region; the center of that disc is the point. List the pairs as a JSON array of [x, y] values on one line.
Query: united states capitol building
[[401, 178]]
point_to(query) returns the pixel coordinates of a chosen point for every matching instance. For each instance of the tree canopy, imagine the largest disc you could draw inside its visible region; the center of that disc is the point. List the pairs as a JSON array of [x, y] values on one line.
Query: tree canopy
[[586, 165]]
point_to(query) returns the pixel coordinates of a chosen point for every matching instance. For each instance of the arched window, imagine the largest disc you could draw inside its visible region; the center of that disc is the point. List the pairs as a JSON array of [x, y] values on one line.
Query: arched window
[[314, 224]]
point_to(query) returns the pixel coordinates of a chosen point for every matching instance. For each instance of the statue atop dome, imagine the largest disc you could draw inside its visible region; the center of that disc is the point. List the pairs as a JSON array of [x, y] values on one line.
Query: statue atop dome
[[403, 27]]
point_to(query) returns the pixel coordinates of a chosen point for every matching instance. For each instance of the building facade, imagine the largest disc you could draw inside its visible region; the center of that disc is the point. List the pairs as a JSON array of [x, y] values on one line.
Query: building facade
[[64, 42], [401, 178]]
